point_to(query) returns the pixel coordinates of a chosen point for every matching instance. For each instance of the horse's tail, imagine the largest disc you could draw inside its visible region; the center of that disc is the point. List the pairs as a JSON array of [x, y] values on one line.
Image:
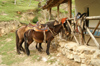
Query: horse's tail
[[17, 40]]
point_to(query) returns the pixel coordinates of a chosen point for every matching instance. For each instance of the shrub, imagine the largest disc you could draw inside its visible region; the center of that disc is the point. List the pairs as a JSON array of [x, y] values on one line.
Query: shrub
[[35, 20]]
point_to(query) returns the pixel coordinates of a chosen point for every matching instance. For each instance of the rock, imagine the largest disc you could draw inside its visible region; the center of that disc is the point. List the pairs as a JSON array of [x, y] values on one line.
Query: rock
[[95, 62], [83, 65], [62, 44], [85, 49], [83, 61], [6, 27], [77, 58], [70, 56], [96, 55], [44, 59], [52, 58], [75, 53], [59, 54], [63, 51], [82, 56], [55, 64], [71, 45]]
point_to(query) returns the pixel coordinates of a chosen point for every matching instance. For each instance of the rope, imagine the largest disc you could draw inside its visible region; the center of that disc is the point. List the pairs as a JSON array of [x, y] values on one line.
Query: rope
[[44, 37], [52, 32]]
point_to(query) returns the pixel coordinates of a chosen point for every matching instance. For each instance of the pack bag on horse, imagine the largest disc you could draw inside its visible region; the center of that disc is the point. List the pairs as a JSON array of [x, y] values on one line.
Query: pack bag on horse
[[38, 36], [67, 30], [20, 34]]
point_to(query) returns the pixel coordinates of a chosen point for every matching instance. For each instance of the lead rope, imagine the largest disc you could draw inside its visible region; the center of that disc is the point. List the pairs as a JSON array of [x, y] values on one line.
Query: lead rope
[[52, 32]]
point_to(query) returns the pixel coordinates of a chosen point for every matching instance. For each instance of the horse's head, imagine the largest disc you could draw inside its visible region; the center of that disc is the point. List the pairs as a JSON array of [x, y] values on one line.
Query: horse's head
[[58, 28], [66, 28]]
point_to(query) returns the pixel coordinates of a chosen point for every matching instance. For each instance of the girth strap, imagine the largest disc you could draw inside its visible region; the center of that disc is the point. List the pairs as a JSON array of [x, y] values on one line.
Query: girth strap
[[44, 37]]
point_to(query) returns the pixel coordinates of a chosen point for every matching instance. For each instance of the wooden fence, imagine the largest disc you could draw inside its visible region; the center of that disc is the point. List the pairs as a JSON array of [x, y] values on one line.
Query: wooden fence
[[80, 25]]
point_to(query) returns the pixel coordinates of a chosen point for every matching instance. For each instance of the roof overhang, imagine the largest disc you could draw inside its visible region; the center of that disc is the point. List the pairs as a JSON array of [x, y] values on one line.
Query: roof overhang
[[52, 3]]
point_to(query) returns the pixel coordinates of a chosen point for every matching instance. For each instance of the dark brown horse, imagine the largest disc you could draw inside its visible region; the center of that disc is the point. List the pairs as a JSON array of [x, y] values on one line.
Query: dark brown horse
[[32, 35], [20, 34]]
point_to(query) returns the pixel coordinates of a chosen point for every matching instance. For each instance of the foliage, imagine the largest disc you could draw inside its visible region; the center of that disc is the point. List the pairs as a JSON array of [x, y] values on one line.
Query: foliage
[[35, 20]]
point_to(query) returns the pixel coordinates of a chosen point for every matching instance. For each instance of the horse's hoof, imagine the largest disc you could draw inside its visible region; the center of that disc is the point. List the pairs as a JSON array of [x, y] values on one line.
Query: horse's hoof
[[28, 54], [48, 53], [39, 50], [18, 53]]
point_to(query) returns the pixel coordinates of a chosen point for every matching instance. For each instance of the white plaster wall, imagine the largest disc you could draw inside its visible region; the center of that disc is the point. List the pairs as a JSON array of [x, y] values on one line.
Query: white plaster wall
[[94, 9]]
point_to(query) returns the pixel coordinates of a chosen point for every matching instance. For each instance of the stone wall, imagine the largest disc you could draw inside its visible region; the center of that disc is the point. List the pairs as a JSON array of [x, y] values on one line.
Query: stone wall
[[86, 55], [6, 27]]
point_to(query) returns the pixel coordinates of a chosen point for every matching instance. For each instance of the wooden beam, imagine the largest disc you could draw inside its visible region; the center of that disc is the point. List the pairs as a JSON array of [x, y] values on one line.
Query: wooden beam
[[49, 13], [70, 8], [89, 18], [58, 12], [93, 32], [72, 32], [97, 44], [93, 18]]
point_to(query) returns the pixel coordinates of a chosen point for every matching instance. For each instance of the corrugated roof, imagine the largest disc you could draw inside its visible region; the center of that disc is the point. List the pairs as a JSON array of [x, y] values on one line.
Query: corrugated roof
[[53, 3]]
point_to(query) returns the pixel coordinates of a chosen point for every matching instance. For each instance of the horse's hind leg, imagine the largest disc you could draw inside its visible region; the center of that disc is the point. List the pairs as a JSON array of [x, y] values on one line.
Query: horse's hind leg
[[36, 45], [40, 46], [21, 48]]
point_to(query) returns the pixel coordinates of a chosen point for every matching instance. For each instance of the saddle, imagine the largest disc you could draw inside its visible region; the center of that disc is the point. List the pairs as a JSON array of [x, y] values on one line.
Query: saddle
[[38, 27], [41, 29]]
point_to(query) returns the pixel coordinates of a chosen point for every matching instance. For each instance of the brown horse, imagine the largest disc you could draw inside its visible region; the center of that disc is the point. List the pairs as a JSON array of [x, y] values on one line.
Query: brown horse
[[20, 35], [32, 35]]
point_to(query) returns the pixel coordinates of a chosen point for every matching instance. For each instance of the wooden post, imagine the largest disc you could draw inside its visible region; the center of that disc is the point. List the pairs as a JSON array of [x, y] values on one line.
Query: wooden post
[[58, 12], [93, 32], [72, 32], [49, 13], [81, 32], [97, 44], [70, 8]]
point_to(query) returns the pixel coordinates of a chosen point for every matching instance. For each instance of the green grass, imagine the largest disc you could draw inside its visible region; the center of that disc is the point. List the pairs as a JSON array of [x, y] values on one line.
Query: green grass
[[7, 7], [7, 50]]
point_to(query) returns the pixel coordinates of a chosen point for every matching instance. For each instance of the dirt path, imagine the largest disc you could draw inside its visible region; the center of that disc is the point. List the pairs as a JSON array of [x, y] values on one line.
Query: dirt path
[[36, 58], [54, 59]]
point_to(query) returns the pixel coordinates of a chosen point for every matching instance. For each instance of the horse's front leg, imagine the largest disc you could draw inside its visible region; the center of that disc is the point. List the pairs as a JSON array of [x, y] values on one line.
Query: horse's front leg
[[40, 46], [48, 46]]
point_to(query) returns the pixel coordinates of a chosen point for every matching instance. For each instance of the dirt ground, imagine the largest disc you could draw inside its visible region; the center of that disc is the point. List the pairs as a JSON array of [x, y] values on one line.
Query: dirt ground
[[42, 59], [55, 58]]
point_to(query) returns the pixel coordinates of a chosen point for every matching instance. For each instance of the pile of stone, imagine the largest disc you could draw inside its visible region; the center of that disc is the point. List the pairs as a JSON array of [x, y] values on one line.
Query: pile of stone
[[86, 55], [6, 27]]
